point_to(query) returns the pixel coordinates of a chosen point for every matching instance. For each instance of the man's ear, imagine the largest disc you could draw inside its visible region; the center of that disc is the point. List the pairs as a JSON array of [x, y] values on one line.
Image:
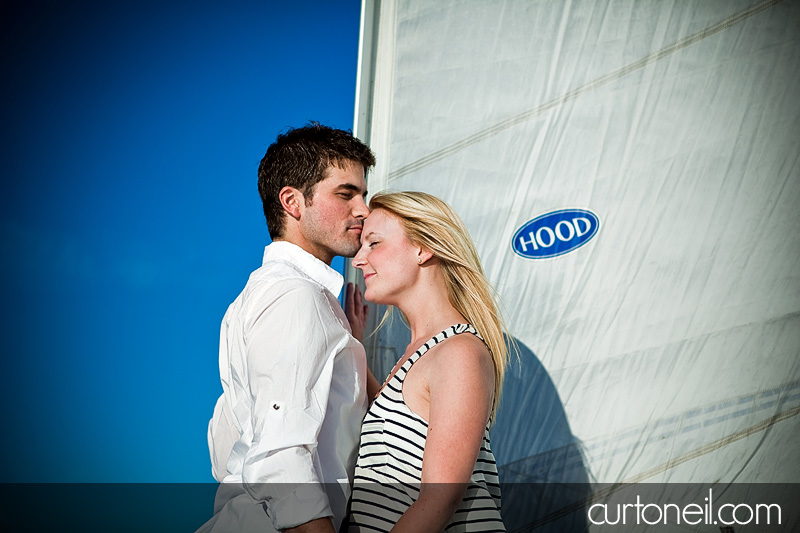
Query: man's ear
[[291, 199]]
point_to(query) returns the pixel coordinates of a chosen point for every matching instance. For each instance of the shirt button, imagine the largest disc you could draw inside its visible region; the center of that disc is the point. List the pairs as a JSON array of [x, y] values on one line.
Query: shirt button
[[276, 406]]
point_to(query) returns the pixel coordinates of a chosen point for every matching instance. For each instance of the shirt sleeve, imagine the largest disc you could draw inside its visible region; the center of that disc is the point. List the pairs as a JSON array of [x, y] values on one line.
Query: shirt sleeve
[[290, 352]]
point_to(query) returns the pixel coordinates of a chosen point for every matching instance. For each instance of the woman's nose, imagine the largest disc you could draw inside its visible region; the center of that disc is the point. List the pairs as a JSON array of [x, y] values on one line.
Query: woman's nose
[[358, 260]]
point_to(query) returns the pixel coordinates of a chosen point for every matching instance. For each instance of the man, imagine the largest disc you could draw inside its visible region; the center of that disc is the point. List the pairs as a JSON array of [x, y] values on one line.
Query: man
[[284, 434]]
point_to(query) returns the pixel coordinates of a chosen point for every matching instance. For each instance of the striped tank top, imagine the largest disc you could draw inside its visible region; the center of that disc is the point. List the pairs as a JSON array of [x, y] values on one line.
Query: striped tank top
[[389, 466]]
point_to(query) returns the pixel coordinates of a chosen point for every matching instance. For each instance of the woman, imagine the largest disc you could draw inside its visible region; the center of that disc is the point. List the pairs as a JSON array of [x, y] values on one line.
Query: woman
[[424, 462]]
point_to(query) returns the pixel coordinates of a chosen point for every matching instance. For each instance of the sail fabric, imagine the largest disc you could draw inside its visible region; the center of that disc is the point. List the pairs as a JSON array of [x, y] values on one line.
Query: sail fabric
[[667, 346]]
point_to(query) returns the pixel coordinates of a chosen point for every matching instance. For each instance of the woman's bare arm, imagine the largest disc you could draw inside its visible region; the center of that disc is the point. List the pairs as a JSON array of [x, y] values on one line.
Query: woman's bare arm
[[460, 380]]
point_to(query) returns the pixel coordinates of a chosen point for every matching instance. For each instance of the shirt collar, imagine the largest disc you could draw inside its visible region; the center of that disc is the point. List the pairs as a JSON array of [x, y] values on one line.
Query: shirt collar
[[306, 263]]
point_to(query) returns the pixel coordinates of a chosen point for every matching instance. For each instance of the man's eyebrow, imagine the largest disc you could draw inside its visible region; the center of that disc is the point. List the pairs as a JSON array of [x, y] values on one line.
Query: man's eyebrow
[[350, 187]]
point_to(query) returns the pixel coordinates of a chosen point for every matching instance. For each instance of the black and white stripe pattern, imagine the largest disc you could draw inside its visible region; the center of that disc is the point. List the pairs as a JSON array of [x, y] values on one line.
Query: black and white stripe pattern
[[389, 467]]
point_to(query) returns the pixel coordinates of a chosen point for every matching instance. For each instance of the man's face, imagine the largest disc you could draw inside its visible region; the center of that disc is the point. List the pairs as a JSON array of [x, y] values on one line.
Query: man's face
[[332, 224]]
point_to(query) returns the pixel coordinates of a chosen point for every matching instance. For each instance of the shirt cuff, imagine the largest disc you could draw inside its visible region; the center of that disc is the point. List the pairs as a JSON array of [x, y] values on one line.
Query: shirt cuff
[[303, 503]]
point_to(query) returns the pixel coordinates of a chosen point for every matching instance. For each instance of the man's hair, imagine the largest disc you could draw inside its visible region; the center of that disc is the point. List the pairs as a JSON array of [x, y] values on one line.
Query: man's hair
[[432, 224], [299, 158]]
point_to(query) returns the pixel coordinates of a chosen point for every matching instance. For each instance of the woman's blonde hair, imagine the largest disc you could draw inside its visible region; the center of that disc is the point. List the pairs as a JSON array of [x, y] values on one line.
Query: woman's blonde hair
[[432, 224]]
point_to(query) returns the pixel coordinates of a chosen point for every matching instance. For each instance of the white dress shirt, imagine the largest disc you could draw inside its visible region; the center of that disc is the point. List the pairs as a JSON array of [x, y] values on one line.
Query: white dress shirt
[[293, 377]]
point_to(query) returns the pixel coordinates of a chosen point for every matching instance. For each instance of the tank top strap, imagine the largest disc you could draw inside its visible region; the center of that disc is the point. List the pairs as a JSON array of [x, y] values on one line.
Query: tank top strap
[[452, 331]]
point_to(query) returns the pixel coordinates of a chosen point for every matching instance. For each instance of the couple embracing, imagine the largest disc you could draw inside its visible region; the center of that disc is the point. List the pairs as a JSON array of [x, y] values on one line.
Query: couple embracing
[[304, 438]]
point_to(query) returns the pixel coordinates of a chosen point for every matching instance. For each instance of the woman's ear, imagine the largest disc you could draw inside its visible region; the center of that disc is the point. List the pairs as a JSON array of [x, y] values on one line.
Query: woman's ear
[[423, 255], [291, 199]]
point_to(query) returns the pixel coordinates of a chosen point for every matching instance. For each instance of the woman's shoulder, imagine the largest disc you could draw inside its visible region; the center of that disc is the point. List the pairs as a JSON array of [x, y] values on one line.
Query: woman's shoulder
[[462, 352], [460, 373]]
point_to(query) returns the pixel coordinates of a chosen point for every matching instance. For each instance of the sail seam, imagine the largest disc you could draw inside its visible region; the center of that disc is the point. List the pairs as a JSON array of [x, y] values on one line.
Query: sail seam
[[709, 407], [725, 23], [761, 426], [604, 493]]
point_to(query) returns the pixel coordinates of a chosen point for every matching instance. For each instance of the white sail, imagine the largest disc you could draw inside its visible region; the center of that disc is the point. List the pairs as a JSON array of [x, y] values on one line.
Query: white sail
[[667, 347]]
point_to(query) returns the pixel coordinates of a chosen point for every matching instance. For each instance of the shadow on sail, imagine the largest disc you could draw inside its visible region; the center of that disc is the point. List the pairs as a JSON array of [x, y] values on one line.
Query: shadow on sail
[[543, 474]]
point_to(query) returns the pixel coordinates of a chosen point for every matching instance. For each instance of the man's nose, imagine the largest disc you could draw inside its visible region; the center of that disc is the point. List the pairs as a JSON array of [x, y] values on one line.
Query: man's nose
[[360, 209]]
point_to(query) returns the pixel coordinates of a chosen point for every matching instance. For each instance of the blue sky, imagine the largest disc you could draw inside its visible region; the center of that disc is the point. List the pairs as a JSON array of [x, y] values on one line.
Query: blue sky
[[132, 132]]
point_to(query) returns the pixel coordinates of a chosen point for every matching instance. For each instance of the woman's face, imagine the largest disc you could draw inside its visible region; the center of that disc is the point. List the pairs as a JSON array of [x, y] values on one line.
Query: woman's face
[[387, 258]]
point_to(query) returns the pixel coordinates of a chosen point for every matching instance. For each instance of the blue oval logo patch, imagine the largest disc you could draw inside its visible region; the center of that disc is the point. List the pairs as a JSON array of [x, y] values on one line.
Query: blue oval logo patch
[[555, 233]]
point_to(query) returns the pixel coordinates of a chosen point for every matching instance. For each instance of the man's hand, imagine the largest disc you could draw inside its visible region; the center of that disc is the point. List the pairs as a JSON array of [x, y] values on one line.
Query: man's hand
[[355, 310]]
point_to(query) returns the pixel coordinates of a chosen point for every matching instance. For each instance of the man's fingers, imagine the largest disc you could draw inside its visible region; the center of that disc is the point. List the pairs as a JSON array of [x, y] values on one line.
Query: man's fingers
[[349, 306], [358, 300], [354, 306]]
